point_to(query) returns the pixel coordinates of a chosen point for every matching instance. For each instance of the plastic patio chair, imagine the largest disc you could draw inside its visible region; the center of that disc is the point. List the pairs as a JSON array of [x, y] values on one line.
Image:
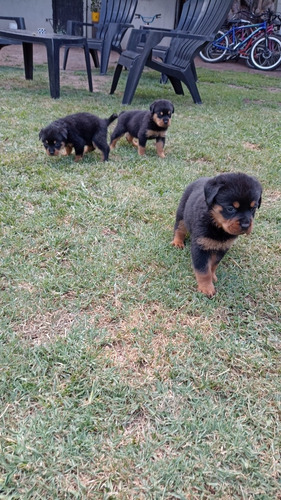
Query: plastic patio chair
[[115, 19], [178, 63]]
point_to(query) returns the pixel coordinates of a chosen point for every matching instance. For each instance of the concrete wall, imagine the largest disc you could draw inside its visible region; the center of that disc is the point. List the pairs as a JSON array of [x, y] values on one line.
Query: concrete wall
[[149, 8], [36, 12]]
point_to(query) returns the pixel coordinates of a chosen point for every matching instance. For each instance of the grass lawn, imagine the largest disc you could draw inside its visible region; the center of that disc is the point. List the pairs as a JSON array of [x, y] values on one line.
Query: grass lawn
[[117, 378]]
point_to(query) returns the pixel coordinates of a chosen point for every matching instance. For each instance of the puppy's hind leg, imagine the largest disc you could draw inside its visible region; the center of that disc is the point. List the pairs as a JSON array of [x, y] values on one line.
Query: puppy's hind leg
[[131, 140], [88, 148], [180, 233], [100, 142], [117, 133]]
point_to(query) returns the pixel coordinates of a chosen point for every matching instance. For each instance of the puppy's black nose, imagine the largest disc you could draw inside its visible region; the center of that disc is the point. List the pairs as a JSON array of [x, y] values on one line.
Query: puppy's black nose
[[245, 225]]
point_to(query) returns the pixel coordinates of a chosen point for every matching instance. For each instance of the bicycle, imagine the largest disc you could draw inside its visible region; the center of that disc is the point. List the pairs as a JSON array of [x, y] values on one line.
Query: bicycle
[[256, 42]]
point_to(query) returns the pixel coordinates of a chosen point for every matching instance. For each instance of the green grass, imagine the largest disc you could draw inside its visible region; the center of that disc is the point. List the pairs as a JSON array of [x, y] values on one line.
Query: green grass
[[118, 379]]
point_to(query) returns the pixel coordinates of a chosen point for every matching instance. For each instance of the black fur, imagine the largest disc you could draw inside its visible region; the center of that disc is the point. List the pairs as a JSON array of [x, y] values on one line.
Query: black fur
[[77, 131], [215, 211], [145, 125]]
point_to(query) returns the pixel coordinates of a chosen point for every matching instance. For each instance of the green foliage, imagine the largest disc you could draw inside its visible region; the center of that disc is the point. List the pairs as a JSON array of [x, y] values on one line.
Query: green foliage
[[118, 379]]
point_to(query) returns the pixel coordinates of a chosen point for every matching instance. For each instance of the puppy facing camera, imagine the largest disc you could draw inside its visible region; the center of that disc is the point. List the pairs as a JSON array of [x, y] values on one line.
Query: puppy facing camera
[[82, 132], [215, 211], [141, 126]]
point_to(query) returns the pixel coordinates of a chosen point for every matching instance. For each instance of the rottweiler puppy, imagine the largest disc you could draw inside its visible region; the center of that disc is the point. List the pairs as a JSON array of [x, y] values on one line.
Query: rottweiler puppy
[[215, 211], [145, 125], [81, 131]]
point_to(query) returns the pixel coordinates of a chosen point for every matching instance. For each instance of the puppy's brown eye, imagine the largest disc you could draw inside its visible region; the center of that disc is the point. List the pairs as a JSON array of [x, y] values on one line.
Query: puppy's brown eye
[[169, 113], [231, 210], [46, 142], [161, 113], [55, 142]]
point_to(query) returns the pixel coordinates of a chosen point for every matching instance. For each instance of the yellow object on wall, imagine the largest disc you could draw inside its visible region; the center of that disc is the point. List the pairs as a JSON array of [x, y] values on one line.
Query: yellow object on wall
[[95, 17]]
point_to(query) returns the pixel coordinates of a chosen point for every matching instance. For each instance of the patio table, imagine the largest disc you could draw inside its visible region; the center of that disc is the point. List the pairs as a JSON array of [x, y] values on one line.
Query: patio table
[[53, 42]]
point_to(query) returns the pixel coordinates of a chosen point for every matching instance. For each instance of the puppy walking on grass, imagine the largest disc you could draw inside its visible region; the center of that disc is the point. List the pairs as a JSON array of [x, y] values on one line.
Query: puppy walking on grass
[[215, 211], [81, 131], [145, 125]]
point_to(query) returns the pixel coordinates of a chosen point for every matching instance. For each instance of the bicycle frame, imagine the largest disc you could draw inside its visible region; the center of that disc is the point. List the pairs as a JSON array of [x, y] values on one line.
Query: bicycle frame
[[235, 47], [254, 41]]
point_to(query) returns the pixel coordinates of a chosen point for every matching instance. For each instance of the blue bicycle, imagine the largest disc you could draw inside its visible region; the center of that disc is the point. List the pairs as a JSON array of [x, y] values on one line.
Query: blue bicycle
[[256, 42]]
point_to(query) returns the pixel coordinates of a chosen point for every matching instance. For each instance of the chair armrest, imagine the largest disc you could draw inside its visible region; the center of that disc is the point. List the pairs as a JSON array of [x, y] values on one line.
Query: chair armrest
[[19, 20], [154, 37], [118, 25], [72, 25]]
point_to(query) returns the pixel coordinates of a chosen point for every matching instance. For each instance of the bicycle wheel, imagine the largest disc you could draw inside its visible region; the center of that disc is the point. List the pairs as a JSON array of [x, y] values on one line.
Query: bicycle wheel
[[213, 54], [266, 53]]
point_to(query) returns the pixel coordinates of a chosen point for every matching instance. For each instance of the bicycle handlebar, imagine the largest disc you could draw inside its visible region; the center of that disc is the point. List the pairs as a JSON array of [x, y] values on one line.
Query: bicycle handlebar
[[270, 16], [147, 19]]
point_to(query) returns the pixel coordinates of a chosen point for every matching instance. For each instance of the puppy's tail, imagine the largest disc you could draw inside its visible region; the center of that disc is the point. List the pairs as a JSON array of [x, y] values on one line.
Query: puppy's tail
[[111, 119]]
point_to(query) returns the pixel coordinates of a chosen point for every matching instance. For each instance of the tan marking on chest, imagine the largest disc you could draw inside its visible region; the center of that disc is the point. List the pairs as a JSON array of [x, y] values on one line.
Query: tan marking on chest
[[155, 133], [214, 245]]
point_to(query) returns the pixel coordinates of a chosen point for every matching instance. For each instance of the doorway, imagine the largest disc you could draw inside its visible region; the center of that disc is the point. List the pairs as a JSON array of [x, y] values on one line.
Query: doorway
[[63, 10]]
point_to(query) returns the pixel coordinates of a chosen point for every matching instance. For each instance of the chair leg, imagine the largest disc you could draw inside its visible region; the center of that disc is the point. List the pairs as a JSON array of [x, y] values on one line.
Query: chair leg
[[135, 71], [189, 80], [116, 77], [95, 57], [177, 86], [105, 54], [194, 70], [27, 49], [88, 66], [66, 51]]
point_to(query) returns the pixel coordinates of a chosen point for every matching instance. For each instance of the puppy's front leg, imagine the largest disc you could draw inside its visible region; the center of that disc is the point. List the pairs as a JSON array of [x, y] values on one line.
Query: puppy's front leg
[[78, 145], [67, 149], [203, 263], [142, 143], [160, 143]]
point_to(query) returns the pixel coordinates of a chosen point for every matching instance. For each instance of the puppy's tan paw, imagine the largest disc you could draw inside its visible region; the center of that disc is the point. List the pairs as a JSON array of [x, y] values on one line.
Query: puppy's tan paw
[[177, 243], [209, 290]]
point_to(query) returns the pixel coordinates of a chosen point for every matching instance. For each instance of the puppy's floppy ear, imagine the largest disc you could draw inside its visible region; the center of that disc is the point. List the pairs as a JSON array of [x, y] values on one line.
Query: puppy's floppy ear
[[211, 190], [40, 133], [64, 132], [151, 109], [259, 192], [173, 109]]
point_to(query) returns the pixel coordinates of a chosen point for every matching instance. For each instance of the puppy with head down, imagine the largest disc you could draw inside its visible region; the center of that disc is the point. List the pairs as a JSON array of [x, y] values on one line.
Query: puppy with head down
[[145, 125], [78, 131], [215, 211]]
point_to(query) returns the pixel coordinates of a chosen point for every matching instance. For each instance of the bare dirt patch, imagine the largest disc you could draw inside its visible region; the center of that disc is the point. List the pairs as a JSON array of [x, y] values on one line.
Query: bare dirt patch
[[75, 74]]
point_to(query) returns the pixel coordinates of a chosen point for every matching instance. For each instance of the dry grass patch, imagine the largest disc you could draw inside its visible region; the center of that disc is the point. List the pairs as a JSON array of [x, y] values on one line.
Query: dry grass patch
[[251, 146], [142, 342], [46, 328]]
